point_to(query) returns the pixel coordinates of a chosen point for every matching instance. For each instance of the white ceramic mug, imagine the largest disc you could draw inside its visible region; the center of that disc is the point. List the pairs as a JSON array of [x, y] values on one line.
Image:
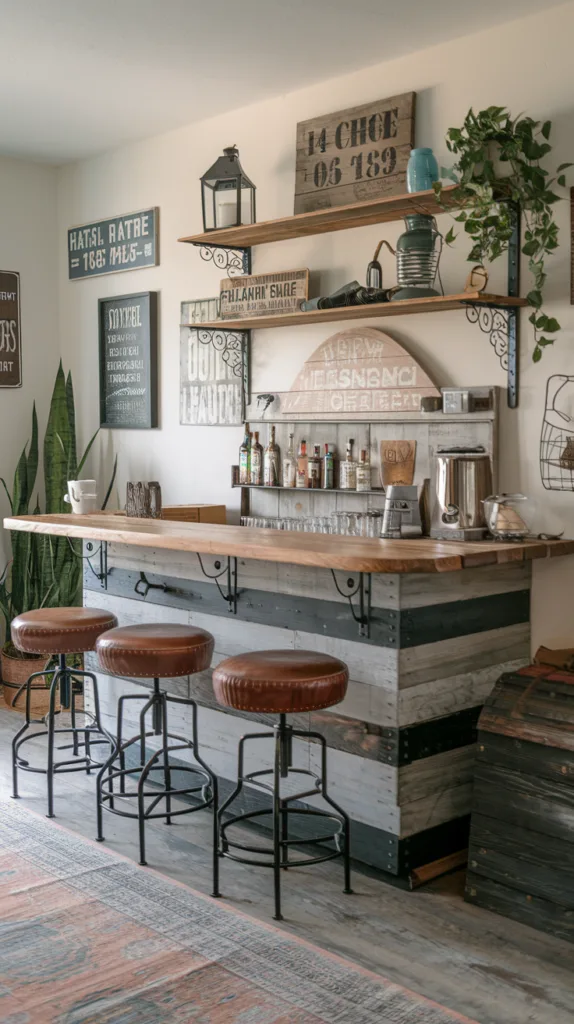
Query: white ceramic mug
[[82, 496]]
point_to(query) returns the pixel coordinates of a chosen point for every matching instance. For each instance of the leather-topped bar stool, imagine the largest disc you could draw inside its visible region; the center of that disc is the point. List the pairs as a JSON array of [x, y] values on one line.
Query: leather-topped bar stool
[[284, 682], [60, 631], [155, 652]]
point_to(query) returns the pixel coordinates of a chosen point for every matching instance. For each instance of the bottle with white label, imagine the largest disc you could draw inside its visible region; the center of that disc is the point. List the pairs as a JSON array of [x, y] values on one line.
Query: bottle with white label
[[271, 461], [245, 458], [328, 468], [290, 464], [256, 467], [314, 469], [302, 465], [364, 472], [348, 470]]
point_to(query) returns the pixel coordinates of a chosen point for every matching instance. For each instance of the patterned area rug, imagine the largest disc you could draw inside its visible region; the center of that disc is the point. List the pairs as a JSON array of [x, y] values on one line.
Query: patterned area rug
[[88, 937]]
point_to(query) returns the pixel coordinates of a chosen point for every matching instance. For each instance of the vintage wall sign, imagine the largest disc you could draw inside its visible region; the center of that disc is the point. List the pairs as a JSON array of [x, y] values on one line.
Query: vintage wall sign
[[128, 360], [10, 339], [129, 242], [264, 294], [354, 155], [199, 311], [360, 370], [213, 370]]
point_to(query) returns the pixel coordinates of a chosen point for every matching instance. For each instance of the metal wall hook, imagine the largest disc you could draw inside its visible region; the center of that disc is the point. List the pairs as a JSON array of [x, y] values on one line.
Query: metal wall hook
[[143, 586], [363, 589]]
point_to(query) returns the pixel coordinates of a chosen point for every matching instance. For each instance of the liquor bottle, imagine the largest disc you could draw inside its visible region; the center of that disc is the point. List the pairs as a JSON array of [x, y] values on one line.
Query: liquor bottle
[[328, 469], [271, 461], [256, 466], [348, 470], [302, 466], [290, 464], [315, 467], [245, 458], [364, 472]]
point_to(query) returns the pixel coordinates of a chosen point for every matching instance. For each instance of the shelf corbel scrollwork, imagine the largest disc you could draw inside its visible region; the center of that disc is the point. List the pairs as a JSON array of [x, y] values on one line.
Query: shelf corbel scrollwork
[[234, 262], [360, 588], [501, 327]]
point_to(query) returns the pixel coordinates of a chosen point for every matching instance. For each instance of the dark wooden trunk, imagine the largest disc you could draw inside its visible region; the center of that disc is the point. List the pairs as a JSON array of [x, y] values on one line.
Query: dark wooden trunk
[[521, 856]]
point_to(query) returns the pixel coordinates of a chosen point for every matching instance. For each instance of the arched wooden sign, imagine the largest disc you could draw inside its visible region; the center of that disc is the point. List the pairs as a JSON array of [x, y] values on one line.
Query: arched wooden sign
[[360, 370]]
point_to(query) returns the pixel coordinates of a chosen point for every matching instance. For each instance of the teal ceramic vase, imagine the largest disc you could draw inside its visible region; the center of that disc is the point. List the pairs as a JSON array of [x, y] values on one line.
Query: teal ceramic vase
[[422, 170], [418, 253]]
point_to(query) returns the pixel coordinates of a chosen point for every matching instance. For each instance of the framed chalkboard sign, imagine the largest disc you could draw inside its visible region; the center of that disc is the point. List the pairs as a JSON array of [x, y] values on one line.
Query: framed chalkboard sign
[[128, 360], [129, 242]]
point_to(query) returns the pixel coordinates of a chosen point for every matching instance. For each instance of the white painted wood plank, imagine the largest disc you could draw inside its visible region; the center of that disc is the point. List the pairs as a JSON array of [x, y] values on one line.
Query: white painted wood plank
[[463, 654], [424, 589]]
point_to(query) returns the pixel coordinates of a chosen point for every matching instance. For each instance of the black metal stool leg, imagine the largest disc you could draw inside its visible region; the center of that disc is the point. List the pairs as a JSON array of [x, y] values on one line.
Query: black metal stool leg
[[215, 797], [277, 822], [51, 735], [347, 823]]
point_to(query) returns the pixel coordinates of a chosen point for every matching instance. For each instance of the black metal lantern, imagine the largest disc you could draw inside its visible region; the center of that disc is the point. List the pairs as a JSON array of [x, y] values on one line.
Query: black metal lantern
[[227, 194]]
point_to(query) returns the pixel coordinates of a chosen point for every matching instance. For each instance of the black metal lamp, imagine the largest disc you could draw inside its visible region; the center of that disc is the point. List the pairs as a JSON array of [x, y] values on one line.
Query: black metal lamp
[[227, 194]]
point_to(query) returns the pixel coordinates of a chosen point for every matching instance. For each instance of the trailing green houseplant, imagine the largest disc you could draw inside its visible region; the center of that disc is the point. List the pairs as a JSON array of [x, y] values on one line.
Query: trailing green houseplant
[[498, 166], [45, 571]]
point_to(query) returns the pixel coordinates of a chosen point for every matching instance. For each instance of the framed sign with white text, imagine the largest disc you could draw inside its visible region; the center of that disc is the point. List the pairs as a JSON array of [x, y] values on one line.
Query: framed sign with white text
[[10, 340], [128, 360], [129, 242]]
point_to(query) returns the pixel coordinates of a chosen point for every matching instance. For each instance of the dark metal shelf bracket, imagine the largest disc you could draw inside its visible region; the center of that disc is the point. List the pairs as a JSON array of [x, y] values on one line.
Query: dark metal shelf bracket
[[235, 350], [102, 572], [230, 571], [235, 261], [362, 588], [503, 324]]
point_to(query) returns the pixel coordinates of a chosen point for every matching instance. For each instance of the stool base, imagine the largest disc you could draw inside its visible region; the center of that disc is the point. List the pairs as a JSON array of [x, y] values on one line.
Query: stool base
[[202, 781], [83, 737], [277, 856]]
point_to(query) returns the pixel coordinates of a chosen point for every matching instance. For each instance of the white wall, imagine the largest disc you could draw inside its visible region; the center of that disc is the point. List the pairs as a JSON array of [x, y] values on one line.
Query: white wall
[[527, 65], [28, 244]]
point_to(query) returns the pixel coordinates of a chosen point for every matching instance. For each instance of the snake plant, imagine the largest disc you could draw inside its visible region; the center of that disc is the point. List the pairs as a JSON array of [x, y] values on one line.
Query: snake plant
[[45, 571]]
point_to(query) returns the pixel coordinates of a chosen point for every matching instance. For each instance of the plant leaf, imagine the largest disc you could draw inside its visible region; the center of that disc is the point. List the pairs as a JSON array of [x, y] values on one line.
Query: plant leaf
[[87, 451], [111, 484]]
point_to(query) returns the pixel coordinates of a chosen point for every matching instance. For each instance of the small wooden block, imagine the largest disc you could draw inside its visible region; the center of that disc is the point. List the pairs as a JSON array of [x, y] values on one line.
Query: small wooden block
[[398, 462]]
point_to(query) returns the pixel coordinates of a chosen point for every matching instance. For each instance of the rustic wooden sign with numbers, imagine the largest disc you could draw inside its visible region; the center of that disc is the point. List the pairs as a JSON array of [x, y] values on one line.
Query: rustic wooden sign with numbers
[[264, 294], [354, 155]]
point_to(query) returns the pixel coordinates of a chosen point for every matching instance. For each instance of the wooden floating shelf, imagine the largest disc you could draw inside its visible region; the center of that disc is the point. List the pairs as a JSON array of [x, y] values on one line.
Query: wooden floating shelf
[[308, 490], [319, 222], [404, 307]]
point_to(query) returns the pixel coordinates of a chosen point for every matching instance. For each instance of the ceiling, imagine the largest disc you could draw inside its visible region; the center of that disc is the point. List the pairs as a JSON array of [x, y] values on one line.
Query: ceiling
[[81, 76]]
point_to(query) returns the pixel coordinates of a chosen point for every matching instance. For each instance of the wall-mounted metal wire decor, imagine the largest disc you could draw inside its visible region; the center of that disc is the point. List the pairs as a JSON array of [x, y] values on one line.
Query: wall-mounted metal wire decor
[[557, 435]]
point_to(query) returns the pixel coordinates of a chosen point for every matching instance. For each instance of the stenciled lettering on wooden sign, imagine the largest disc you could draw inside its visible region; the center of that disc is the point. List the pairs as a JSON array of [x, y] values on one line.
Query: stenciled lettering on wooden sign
[[360, 370], [10, 342], [354, 155], [262, 294], [212, 377], [129, 242]]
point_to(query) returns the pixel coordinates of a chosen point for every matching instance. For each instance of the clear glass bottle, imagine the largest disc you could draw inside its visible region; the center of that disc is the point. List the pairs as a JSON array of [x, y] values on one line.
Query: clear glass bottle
[[271, 461], [256, 466], [302, 465], [245, 458], [328, 468], [290, 464], [314, 469], [364, 472], [348, 469]]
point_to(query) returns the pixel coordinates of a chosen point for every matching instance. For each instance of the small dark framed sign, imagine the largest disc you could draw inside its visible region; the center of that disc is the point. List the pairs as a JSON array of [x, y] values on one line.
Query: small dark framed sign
[[10, 341], [128, 360], [129, 242]]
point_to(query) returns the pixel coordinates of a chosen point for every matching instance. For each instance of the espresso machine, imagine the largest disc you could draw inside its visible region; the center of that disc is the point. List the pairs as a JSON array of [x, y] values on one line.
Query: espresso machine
[[461, 481]]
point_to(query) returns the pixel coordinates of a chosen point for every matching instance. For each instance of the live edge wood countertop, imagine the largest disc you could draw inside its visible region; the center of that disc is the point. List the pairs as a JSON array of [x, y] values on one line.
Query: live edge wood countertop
[[355, 554]]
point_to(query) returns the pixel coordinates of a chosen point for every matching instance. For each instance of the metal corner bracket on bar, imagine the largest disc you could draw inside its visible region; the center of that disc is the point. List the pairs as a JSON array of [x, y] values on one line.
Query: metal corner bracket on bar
[[103, 571], [229, 570], [362, 588], [236, 261]]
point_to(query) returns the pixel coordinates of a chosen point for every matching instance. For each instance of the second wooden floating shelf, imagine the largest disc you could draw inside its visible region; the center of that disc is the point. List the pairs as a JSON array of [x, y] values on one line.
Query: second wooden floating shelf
[[404, 307]]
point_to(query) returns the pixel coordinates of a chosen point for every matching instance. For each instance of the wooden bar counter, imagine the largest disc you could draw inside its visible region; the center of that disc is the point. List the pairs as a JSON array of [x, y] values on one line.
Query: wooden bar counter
[[426, 628]]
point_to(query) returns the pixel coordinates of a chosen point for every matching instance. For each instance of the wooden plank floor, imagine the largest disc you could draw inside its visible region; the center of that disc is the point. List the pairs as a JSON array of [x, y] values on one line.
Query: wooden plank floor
[[492, 969]]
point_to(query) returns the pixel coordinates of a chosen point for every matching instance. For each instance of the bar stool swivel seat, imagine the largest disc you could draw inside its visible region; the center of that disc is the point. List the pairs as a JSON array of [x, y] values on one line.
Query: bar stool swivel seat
[[284, 682], [60, 631], [155, 651]]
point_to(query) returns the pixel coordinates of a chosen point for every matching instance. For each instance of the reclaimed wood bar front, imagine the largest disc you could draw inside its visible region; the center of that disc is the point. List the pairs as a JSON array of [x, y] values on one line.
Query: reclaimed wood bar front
[[426, 628]]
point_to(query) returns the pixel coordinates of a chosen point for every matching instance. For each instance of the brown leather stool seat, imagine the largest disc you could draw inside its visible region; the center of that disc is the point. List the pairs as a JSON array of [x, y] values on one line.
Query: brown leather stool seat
[[60, 630], [155, 650], [284, 682]]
